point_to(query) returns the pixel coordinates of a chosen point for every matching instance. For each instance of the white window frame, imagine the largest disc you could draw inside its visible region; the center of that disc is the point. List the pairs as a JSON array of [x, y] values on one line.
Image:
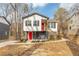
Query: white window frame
[[36, 23], [53, 25], [28, 23]]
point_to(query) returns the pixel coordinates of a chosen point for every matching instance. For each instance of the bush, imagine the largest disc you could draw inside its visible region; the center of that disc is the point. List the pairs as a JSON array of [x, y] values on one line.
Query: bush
[[23, 40], [58, 37], [52, 37]]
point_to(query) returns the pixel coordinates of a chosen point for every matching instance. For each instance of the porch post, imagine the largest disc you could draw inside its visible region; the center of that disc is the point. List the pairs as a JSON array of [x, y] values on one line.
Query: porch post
[[25, 35]]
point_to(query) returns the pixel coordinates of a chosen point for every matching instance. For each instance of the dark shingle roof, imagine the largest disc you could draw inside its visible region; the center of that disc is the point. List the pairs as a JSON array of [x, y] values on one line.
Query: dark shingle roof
[[5, 19], [35, 14]]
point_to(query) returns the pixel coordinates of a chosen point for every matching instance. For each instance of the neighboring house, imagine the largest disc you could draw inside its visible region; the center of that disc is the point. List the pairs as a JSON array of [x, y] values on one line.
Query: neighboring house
[[73, 20], [52, 25], [52, 28], [73, 24], [4, 28], [36, 27]]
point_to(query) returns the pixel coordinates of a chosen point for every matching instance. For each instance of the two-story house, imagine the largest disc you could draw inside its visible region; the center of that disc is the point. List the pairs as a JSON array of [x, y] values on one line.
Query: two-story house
[[36, 26], [73, 24], [73, 21]]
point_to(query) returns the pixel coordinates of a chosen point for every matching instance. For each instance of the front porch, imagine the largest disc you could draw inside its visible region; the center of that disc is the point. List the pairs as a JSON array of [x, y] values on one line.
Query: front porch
[[38, 36]]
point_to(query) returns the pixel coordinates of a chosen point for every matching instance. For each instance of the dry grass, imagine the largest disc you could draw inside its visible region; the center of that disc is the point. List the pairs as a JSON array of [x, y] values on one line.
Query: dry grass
[[13, 50], [40, 49], [53, 49]]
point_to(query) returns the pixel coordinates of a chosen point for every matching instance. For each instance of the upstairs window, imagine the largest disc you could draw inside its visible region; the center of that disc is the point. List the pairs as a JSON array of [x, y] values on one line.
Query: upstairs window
[[36, 23], [28, 23], [70, 27]]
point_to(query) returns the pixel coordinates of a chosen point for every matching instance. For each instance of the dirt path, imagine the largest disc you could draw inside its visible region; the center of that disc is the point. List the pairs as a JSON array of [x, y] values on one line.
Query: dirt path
[[29, 51], [8, 42]]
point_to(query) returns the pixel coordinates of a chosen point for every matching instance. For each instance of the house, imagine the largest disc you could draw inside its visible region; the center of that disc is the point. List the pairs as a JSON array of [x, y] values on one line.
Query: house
[[52, 25], [36, 26], [52, 28], [73, 20], [73, 24], [4, 28]]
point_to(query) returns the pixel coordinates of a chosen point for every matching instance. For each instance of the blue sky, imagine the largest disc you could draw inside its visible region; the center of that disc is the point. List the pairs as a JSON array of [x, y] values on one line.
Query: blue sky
[[46, 9]]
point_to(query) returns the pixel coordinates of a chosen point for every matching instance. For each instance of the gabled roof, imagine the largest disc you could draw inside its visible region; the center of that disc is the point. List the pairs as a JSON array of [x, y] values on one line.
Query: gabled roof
[[70, 16], [35, 14], [5, 19]]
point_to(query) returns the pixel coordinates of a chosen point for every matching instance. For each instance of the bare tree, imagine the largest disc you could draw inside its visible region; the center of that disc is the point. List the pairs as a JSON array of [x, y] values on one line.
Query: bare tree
[[61, 16], [20, 10]]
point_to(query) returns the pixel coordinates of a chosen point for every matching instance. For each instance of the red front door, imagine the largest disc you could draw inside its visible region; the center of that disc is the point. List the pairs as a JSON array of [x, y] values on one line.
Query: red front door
[[42, 27], [29, 35]]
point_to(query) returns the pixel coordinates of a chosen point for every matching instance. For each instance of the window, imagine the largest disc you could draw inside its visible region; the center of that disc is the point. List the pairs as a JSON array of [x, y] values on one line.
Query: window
[[36, 23], [28, 23], [53, 25], [70, 27]]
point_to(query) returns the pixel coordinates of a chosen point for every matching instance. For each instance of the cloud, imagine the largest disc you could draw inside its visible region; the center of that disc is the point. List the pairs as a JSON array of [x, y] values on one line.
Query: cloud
[[67, 6], [39, 4]]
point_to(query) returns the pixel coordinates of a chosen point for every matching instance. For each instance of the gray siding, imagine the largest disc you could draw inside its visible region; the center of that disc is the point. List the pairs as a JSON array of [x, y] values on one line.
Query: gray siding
[[4, 31]]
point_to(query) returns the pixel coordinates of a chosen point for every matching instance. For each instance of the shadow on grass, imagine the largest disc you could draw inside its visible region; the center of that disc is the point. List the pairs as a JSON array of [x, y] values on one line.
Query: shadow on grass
[[72, 44], [73, 47], [29, 51], [75, 37]]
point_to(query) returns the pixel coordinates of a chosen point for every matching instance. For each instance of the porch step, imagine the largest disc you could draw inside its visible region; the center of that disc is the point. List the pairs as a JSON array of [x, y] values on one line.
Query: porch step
[[39, 39]]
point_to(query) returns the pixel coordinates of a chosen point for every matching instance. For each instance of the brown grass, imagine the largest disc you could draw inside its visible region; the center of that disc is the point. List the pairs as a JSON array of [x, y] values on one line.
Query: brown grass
[[47, 49]]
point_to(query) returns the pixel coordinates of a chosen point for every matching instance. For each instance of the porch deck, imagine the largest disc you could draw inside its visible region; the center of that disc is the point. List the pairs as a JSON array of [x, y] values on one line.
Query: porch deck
[[40, 40]]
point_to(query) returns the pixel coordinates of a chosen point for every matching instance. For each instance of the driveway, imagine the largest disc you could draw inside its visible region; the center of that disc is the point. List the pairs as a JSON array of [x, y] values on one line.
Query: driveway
[[7, 42], [2, 41]]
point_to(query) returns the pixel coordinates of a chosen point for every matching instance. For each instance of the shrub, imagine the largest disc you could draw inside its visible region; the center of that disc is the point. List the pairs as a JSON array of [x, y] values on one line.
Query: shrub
[[23, 40], [52, 37], [58, 37]]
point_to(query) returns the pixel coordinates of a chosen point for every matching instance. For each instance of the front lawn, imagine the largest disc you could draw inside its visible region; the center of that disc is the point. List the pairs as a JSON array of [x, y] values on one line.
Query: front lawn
[[45, 48]]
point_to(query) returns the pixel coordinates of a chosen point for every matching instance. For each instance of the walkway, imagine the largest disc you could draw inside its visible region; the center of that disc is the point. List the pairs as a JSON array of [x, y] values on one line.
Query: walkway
[[7, 42], [11, 42]]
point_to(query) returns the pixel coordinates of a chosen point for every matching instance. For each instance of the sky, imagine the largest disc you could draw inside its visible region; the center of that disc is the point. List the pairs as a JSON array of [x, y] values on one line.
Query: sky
[[47, 9]]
